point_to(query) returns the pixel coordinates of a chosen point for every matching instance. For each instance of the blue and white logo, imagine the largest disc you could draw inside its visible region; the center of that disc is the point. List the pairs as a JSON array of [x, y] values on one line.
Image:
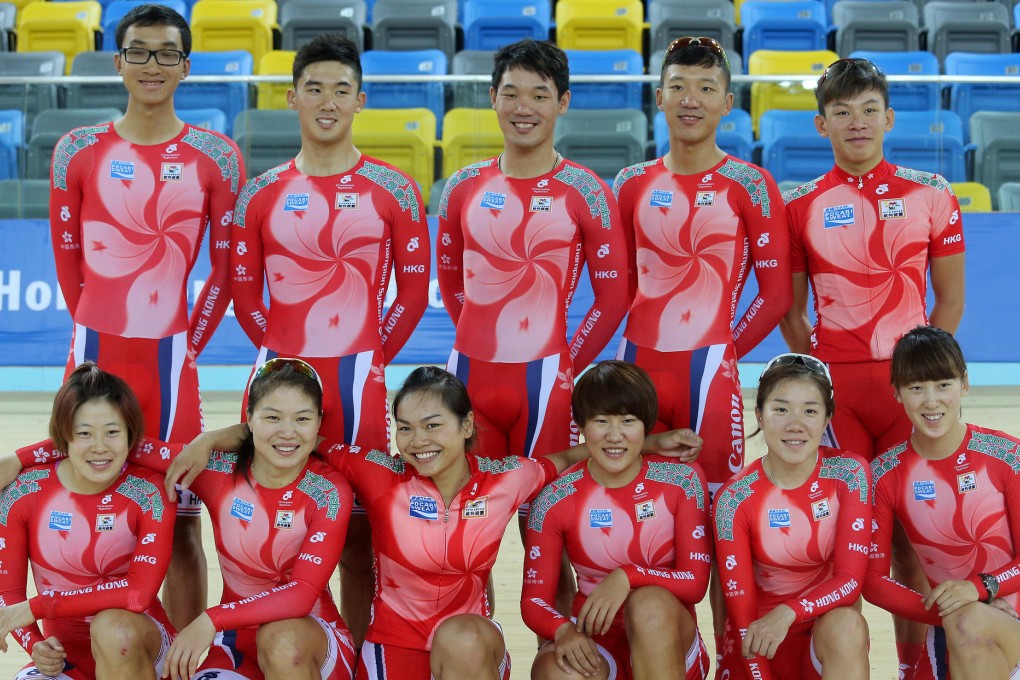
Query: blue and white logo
[[600, 519], [779, 519], [424, 507], [122, 170], [295, 202], [493, 201], [242, 509], [60, 521], [838, 216], [924, 491], [661, 199]]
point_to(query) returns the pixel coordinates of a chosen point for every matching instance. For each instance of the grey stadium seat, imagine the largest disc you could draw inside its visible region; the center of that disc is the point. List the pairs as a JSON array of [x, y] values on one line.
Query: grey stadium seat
[[603, 140], [89, 95], [997, 159], [302, 20], [472, 63], [415, 25], [671, 19], [53, 124], [877, 26], [7, 13], [24, 199], [1009, 197], [966, 27], [31, 99], [266, 138]]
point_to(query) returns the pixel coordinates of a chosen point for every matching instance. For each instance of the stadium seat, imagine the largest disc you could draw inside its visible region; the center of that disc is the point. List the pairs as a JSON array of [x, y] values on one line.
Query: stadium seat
[[404, 138], [997, 158], [67, 27], [302, 20], [231, 98], [734, 135], [599, 24], [275, 63], [469, 135], [50, 126], [210, 119], [670, 19], [490, 25], [791, 148], [966, 27], [7, 14], [25, 199], [115, 11], [405, 95], [966, 98], [30, 99], [266, 138], [795, 25], [890, 26], [12, 139], [794, 95], [908, 96], [973, 196], [95, 95], [412, 25], [1009, 197], [603, 140], [472, 63], [228, 25], [605, 62], [928, 140]]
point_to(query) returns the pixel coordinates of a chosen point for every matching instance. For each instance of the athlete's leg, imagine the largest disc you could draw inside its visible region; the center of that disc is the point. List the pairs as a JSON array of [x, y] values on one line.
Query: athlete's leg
[[982, 641], [186, 587], [496, 401], [125, 644], [291, 649], [469, 647], [545, 667], [840, 643], [356, 576], [660, 630]]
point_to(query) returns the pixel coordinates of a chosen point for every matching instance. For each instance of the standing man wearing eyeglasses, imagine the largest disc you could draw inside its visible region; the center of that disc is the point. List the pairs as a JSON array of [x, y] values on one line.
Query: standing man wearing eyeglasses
[[866, 235], [130, 202]]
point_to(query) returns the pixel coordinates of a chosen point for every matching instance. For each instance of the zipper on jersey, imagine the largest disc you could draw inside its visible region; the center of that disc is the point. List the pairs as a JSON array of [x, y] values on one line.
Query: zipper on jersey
[[860, 182]]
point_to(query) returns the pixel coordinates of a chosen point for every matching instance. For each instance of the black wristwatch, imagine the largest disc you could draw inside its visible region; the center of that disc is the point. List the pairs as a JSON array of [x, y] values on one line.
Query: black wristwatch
[[991, 585]]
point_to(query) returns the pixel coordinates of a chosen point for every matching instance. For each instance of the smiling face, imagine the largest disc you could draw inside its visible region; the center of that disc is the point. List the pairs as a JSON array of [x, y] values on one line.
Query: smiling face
[[934, 408], [856, 127], [694, 99], [150, 83], [793, 418], [97, 449], [527, 106], [326, 98], [284, 426], [431, 438], [614, 442]]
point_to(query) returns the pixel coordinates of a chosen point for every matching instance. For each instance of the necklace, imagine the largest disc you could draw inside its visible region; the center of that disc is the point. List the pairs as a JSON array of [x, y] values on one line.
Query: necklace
[[556, 161], [768, 474]]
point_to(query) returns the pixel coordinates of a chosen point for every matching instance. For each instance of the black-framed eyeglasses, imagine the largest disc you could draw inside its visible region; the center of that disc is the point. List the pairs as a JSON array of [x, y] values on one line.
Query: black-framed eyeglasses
[[840, 65], [710, 44], [806, 360], [140, 55], [279, 363]]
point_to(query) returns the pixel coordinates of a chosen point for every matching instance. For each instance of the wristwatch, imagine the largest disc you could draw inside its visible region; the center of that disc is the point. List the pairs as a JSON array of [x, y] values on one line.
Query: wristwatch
[[991, 585]]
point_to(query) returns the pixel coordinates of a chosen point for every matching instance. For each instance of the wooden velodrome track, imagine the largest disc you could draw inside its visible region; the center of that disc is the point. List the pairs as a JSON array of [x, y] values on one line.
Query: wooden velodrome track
[[24, 418]]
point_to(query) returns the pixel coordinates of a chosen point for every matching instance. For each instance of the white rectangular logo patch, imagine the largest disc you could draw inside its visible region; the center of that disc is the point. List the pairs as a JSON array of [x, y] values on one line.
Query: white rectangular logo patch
[[284, 519], [105, 522], [475, 508], [704, 199], [172, 172], [892, 208], [966, 482], [541, 204], [644, 510], [346, 201], [820, 509]]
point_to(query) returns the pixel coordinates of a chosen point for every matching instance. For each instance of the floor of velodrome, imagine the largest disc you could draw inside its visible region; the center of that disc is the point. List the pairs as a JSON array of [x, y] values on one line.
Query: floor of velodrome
[[24, 417]]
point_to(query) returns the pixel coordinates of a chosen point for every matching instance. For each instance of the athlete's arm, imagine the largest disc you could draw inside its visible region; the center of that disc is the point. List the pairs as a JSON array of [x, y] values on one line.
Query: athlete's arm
[[796, 326], [15, 613], [947, 283], [65, 218], [411, 258], [213, 300], [246, 264], [606, 253], [769, 242], [622, 191], [450, 252]]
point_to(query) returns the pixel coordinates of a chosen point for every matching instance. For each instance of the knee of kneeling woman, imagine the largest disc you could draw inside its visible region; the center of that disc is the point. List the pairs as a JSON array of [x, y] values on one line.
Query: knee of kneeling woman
[[281, 645], [465, 639], [967, 625], [844, 627], [114, 630], [652, 609]]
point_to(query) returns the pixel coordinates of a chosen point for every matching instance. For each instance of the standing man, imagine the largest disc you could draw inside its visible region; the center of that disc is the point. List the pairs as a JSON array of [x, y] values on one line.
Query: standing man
[[866, 235], [325, 230], [129, 206]]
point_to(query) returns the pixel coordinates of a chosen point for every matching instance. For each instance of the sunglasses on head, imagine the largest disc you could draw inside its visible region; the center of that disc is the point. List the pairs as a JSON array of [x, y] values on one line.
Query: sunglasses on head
[[841, 65], [279, 363], [805, 360], [710, 44]]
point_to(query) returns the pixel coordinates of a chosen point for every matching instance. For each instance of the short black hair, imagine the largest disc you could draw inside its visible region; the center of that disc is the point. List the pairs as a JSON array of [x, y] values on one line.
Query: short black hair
[[926, 353], [328, 47], [695, 55], [615, 388], [537, 56], [848, 78], [154, 15]]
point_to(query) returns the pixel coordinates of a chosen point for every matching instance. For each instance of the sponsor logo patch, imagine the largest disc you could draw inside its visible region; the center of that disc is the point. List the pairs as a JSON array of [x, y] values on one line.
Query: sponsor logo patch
[[820, 509], [966, 482], [892, 208], [242, 509], [105, 522], [779, 519], [661, 199], [295, 202], [475, 507], [284, 519], [924, 491], [171, 172], [838, 216], [600, 519], [60, 521], [644, 510], [346, 201], [492, 200], [541, 204], [423, 507], [122, 170], [704, 199]]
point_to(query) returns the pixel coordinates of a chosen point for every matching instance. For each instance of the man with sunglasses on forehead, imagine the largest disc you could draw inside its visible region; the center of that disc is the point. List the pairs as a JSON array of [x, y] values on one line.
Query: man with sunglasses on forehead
[[866, 235], [130, 202]]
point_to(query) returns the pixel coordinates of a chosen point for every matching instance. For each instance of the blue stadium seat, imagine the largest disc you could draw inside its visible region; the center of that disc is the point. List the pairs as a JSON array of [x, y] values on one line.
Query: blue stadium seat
[[908, 96], [734, 135], [115, 11], [793, 26], [405, 95], [490, 25], [210, 119], [966, 98], [791, 148], [928, 140], [230, 98], [12, 139], [605, 95]]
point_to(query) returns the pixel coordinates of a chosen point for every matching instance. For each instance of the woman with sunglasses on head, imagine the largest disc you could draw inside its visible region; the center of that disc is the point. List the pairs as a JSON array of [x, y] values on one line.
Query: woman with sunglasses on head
[[954, 489], [97, 531], [279, 516], [793, 531]]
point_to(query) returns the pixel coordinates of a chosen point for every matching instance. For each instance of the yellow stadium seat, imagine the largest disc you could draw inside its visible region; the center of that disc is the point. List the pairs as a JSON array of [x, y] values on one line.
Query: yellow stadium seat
[[276, 62], [20, 4], [469, 135], [599, 24], [68, 27], [220, 25], [405, 138], [797, 95], [973, 196]]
